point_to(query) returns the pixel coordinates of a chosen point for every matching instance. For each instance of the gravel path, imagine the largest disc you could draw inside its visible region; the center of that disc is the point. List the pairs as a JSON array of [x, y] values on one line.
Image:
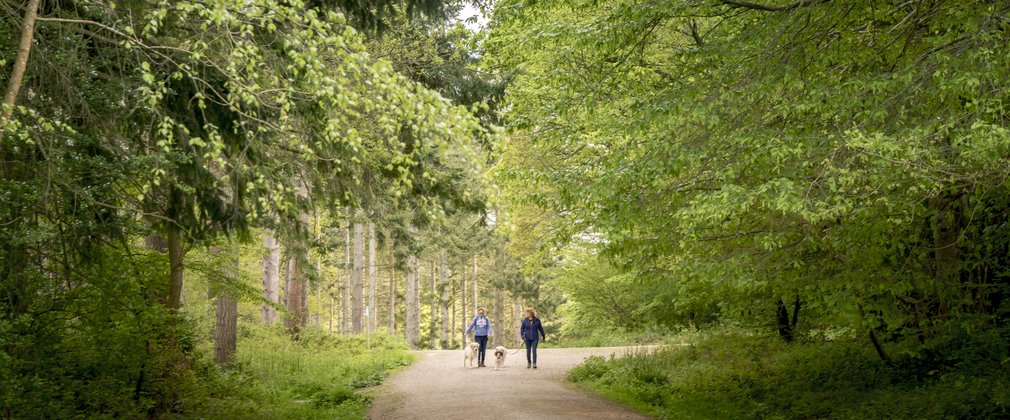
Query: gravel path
[[437, 386]]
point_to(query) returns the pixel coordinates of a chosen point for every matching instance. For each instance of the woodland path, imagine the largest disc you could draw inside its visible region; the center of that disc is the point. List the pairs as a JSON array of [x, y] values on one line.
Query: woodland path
[[437, 386]]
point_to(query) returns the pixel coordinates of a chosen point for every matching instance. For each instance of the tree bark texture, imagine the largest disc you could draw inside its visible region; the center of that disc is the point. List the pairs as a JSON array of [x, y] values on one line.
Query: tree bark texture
[[271, 278]]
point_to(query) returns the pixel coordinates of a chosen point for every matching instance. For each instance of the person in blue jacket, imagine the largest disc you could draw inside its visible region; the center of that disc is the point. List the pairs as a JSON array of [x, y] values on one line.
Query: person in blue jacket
[[531, 331], [481, 327]]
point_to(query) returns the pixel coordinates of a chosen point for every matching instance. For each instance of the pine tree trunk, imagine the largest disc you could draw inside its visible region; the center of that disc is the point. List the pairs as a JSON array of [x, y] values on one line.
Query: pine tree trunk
[[463, 307], [516, 322], [443, 299], [293, 296], [271, 278], [225, 327], [347, 278], [372, 316], [452, 312], [433, 325], [319, 295], [356, 281], [392, 291], [156, 243], [475, 295], [297, 295], [413, 303], [287, 280], [499, 312]]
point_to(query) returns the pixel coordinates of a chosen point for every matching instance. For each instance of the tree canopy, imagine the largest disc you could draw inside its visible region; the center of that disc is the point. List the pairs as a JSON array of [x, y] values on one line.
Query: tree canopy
[[847, 158]]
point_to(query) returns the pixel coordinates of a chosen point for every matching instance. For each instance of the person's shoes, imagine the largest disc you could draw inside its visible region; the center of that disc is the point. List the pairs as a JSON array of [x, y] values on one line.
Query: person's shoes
[[534, 366], [527, 366]]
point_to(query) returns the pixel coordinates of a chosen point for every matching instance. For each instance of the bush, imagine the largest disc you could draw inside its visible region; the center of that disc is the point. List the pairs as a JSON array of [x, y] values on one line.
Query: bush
[[741, 375], [110, 351], [315, 377], [105, 349]]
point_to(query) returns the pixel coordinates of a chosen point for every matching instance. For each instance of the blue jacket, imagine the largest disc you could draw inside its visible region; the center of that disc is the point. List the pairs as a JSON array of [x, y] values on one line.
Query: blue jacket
[[480, 326], [529, 329]]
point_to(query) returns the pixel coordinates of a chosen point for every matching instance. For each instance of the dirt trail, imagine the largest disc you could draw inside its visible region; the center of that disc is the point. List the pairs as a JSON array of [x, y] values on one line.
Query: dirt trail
[[437, 386]]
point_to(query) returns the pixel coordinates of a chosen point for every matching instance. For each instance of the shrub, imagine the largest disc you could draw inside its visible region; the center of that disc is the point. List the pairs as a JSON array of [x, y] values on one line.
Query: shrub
[[734, 374]]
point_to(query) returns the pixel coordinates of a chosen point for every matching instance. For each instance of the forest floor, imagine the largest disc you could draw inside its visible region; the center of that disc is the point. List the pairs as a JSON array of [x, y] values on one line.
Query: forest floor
[[437, 386]]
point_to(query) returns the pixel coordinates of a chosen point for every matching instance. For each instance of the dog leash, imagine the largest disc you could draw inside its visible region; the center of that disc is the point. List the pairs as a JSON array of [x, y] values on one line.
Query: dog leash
[[517, 350]]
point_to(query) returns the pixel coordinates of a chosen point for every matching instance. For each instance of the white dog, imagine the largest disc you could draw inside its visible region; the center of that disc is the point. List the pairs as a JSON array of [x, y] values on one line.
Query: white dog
[[499, 357], [470, 353]]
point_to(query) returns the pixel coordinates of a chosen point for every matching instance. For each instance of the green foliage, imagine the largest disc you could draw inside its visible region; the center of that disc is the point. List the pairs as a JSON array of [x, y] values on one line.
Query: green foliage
[[118, 355], [604, 337], [727, 163], [735, 374], [199, 120], [127, 360], [316, 377]]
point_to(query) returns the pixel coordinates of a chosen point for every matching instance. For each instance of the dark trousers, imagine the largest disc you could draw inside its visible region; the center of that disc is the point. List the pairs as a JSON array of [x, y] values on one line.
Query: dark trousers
[[531, 347], [482, 340]]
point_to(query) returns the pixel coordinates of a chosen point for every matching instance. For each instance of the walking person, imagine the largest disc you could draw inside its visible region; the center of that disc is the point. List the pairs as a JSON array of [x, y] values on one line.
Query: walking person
[[481, 327], [532, 331]]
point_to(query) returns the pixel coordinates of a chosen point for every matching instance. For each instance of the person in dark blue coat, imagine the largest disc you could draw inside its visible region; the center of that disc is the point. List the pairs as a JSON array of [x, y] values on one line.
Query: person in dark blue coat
[[531, 331]]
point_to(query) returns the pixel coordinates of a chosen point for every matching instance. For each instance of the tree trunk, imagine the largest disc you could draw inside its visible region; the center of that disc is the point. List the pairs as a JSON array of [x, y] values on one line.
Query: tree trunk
[[372, 316], [475, 296], [293, 296], [319, 294], [413, 303], [20, 64], [392, 291], [452, 312], [340, 304], [782, 319], [443, 299], [271, 278], [175, 268], [463, 307], [156, 243], [787, 326], [287, 281], [356, 280], [517, 321], [499, 310], [297, 295], [347, 278], [947, 259], [796, 314], [225, 327], [433, 325]]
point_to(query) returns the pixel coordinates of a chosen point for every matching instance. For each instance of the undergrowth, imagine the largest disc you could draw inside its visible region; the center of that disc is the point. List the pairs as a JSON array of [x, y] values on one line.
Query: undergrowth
[[741, 375], [317, 376]]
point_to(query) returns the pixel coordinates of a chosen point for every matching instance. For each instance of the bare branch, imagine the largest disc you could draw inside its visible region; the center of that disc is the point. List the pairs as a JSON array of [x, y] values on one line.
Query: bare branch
[[692, 25]]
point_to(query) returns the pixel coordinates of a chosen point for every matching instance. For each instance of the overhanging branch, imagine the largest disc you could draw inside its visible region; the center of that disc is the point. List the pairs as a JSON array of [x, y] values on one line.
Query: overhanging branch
[[766, 8]]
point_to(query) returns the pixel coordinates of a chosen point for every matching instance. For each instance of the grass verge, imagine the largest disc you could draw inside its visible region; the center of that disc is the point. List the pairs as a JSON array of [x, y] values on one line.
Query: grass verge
[[318, 376], [740, 375]]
